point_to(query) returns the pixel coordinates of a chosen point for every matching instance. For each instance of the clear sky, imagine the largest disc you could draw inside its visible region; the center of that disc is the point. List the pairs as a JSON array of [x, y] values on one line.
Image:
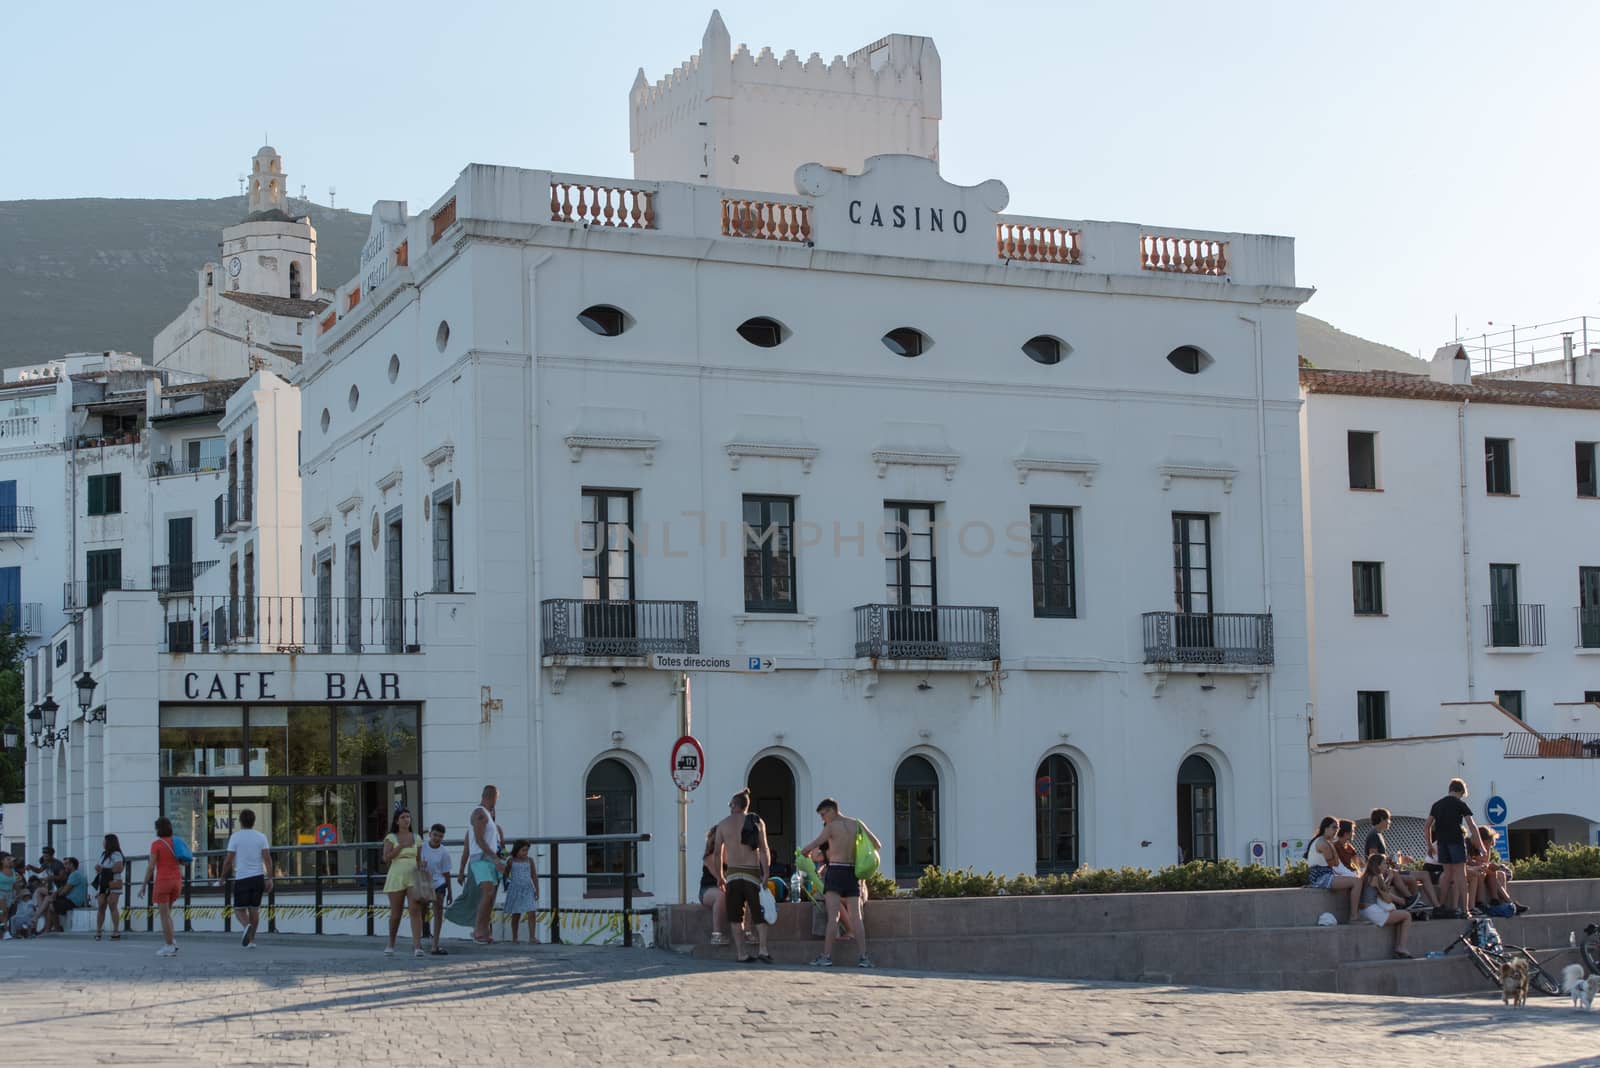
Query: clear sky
[[1431, 159]]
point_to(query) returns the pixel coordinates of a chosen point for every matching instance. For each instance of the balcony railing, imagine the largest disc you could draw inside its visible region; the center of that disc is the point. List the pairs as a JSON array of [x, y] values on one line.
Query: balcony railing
[[16, 519], [292, 624], [571, 627], [927, 632], [25, 618], [184, 465], [1514, 626], [1588, 628], [168, 579], [1240, 638], [86, 593], [1567, 746]]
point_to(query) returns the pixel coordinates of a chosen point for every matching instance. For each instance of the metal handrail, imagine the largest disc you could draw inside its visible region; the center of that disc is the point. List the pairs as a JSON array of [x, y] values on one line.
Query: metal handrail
[[368, 879]]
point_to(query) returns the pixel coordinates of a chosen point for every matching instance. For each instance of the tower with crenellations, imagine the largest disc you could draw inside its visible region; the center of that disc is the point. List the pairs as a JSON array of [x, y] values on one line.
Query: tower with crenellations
[[739, 120]]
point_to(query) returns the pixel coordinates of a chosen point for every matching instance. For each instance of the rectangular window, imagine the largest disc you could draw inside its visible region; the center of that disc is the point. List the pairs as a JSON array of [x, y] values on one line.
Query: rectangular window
[[1372, 715], [911, 572], [1362, 446], [12, 519], [103, 567], [1497, 465], [105, 494], [1055, 593], [394, 609], [1504, 618], [1592, 696], [769, 570], [1588, 476], [246, 501], [1510, 700], [352, 594], [1367, 577], [1589, 607], [11, 600], [249, 605], [606, 545], [204, 454], [444, 543]]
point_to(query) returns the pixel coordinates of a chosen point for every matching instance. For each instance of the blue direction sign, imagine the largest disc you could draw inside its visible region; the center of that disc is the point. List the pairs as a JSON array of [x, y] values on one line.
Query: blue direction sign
[[1502, 843], [1496, 809]]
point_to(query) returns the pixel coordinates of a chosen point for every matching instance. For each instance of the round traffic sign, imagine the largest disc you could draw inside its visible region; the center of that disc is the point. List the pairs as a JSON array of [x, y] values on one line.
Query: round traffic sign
[[688, 763], [326, 834], [1495, 809]]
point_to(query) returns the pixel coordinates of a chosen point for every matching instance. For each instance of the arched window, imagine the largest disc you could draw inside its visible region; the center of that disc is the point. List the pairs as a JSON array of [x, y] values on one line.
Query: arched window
[[610, 806], [916, 817], [294, 281], [1055, 789], [772, 789], [1197, 809]]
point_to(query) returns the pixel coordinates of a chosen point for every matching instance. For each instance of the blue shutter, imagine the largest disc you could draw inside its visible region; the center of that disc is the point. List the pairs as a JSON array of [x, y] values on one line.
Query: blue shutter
[[11, 594]]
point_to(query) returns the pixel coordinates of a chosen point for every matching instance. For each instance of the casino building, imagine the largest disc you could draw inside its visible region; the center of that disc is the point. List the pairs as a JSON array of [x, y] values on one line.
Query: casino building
[[1010, 503]]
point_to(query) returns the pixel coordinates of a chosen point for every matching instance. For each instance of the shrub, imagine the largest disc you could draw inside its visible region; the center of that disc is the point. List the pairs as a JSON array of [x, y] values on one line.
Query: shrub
[[880, 886], [1195, 875], [1572, 861]]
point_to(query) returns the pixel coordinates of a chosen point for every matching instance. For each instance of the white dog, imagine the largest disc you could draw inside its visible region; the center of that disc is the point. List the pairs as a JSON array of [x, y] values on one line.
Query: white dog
[[1579, 987]]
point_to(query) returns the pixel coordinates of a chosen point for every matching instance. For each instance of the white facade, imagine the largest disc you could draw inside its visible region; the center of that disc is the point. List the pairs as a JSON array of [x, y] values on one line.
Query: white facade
[[1443, 645], [741, 121]]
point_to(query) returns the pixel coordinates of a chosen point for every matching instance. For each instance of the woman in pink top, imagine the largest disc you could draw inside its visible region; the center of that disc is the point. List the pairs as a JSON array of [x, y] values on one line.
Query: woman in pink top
[[167, 873]]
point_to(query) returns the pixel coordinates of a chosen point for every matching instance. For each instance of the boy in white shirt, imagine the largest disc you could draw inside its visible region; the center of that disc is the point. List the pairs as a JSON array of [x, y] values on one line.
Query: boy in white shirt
[[436, 859]]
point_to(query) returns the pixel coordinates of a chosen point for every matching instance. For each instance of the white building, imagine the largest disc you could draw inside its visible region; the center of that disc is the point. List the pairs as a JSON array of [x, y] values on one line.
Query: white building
[[1455, 608], [251, 308], [1025, 553]]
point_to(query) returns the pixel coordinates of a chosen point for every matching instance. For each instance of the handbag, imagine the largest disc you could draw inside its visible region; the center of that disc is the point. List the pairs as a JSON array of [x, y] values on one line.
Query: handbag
[[421, 884], [866, 856]]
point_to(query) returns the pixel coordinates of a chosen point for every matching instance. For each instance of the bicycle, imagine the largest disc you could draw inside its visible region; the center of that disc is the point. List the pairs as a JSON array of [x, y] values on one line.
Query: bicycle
[[1489, 959], [1590, 947]]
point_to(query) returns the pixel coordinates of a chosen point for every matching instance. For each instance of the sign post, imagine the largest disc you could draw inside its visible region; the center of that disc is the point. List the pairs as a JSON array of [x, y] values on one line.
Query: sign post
[[684, 724]]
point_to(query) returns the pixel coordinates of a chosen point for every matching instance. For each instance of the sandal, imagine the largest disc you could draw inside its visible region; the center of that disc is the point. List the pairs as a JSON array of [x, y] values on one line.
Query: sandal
[[97, 936], [116, 938], [764, 958]]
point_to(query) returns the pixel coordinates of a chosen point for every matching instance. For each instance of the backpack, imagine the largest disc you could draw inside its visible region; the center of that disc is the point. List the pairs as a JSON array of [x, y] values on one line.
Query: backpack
[[866, 855], [181, 850], [1484, 935], [1502, 909]]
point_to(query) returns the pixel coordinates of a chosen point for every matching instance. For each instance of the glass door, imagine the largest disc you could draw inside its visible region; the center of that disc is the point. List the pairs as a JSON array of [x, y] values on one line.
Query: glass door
[[911, 585], [1503, 629], [1589, 607], [1192, 580]]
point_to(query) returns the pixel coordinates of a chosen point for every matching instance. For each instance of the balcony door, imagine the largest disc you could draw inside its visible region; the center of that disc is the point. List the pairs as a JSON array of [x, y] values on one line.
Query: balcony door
[[1192, 580], [180, 554], [1503, 628], [1589, 607], [607, 550], [393, 582], [912, 572]]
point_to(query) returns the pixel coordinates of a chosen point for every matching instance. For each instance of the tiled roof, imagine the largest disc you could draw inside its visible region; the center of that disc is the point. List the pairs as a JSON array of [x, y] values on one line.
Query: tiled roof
[[291, 307], [1421, 387]]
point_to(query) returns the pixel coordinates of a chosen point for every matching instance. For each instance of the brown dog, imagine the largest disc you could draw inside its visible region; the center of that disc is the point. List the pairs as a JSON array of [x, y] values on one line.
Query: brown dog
[[1514, 983]]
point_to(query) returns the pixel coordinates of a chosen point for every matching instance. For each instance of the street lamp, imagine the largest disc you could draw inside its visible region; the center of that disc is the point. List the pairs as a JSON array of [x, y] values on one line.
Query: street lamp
[[86, 684], [34, 727], [8, 737], [48, 709]]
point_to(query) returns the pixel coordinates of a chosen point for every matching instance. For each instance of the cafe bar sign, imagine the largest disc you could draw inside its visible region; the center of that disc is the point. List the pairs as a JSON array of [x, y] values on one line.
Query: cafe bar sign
[[296, 687], [900, 206]]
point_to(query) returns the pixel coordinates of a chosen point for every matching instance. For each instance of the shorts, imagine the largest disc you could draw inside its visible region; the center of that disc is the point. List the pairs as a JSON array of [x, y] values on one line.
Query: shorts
[[742, 894], [247, 892], [1435, 871], [841, 879], [1320, 877], [63, 905], [166, 893], [1377, 913], [482, 870], [1452, 852]]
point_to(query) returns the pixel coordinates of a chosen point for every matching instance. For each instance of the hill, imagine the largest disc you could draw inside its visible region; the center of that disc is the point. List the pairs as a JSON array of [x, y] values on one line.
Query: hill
[[1327, 347], [93, 274]]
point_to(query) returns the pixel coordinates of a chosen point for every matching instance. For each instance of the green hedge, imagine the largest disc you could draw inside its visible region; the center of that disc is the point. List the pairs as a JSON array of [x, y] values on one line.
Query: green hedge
[[1558, 862], [1561, 862]]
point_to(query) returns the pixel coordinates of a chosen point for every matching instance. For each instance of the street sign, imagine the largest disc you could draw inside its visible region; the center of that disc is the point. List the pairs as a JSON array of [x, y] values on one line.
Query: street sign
[[688, 763], [1502, 843], [744, 665], [1496, 809]]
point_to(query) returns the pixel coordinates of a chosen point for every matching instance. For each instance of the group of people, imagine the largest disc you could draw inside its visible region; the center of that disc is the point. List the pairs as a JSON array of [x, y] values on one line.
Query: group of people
[[737, 862], [1460, 877], [37, 898]]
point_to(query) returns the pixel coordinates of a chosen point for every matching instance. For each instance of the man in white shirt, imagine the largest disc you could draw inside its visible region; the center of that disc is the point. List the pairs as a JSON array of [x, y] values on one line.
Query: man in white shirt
[[249, 860]]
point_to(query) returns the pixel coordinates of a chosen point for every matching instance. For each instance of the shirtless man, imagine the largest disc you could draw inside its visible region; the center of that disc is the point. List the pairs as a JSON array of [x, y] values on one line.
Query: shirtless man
[[480, 862], [840, 886], [742, 870]]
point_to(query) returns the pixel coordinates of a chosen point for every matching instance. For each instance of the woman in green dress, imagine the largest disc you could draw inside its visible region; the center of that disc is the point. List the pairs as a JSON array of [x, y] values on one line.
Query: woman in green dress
[[400, 853]]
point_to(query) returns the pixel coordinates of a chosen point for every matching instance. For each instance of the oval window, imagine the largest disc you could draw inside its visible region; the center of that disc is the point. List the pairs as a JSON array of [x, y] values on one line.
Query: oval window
[[355, 397], [1044, 349], [326, 419], [907, 341], [441, 336], [1189, 359], [604, 320], [763, 332], [394, 367]]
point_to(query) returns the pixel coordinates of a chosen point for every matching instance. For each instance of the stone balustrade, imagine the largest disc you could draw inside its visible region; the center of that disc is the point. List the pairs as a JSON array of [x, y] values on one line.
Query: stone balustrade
[[1033, 243], [768, 220], [1183, 255], [601, 205]]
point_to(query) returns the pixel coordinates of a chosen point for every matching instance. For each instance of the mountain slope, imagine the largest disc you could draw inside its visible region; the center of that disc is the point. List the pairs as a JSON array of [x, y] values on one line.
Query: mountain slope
[[93, 274]]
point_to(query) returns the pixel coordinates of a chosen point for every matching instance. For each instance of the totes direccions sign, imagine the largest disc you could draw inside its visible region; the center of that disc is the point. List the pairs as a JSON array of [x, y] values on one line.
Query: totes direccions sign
[[899, 206]]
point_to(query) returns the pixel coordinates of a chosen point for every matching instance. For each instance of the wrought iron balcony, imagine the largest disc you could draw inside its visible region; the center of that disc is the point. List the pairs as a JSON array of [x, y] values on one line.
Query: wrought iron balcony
[[188, 465], [1523, 744], [292, 624], [169, 579], [16, 519], [1588, 628], [25, 618], [1239, 638], [927, 632], [1514, 626], [572, 627]]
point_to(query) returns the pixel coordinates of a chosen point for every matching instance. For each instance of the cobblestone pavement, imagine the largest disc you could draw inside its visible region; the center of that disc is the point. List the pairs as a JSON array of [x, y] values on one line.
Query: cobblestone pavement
[[338, 1001]]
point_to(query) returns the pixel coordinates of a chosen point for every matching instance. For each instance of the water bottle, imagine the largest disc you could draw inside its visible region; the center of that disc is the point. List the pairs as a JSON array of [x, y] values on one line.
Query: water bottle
[[1435, 955], [795, 883]]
